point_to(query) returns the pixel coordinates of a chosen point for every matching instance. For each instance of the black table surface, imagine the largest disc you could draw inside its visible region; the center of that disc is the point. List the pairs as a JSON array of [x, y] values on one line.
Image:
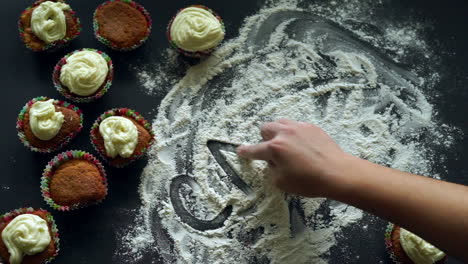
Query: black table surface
[[89, 235]]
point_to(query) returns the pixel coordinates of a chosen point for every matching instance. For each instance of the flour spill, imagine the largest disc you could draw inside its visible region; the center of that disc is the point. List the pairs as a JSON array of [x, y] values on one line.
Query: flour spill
[[201, 203]]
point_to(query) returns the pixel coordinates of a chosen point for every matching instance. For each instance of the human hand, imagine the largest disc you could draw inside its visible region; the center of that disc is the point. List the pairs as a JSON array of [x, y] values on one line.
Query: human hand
[[303, 159]]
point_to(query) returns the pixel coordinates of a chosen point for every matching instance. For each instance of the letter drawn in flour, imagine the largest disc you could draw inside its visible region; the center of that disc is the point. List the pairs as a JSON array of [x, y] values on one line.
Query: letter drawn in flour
[[176, 185]]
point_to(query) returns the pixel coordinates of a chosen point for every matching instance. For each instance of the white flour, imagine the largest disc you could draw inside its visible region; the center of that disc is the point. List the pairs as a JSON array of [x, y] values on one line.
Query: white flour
[[286, 63]]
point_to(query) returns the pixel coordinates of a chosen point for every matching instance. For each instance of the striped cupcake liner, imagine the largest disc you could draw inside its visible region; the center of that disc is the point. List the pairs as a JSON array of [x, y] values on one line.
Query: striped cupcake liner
[[20, 124], [82, 99], [56, 44], [49, 171], [109, 43], [192, 54], [120, 112], [389, 243], [50, 219]]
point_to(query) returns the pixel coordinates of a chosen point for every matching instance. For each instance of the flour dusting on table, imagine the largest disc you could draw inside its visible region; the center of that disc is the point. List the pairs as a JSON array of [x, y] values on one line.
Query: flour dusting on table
[[203, 204]]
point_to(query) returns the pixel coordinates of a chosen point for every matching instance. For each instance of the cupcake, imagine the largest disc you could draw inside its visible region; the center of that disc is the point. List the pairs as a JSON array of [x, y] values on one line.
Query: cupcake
[[121, 136], [83, 75], [48, 25], [72, 180], [195, 31], [28, 236], [46, 125], [407, 248], [121, 24]]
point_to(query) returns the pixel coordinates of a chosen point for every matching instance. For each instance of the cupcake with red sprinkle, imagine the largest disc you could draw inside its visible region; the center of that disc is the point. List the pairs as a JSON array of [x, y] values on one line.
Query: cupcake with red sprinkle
[[195, 31]]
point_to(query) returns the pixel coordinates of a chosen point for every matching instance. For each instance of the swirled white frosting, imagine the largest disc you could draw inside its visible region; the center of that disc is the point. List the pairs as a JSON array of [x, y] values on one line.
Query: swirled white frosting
[[120, 136], [418, 250], [196, 29], [26, 234], [84, 72], [44, 121], [48, 21]]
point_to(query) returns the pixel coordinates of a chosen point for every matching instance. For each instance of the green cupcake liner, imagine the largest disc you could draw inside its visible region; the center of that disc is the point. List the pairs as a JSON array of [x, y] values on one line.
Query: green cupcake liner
[[109, 43], [20, 125], [120, 112], [54, 164], [192, 54], [50, 219], [77, 98], [56, 44]]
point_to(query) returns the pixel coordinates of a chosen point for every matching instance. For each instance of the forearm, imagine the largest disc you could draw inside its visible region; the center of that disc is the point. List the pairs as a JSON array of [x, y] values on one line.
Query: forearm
[[435, 210]]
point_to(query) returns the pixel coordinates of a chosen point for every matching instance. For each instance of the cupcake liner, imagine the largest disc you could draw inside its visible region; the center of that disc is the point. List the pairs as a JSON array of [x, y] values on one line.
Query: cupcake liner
[[389, 243], [120, 112], [20, 125], [82, 99], [55, 163], [192, 54], [55, 233], [56, 44], [109, 43]]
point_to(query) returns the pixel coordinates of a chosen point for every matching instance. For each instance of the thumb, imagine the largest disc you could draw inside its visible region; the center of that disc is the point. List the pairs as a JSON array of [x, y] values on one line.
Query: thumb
[[259, 151]]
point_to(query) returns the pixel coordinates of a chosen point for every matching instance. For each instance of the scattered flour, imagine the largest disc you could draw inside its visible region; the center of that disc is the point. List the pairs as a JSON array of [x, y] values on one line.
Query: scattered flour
[[288, 62]]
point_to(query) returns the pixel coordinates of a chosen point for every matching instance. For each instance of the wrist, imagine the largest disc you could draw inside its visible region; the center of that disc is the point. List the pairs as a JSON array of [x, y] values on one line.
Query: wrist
[[346, 176]]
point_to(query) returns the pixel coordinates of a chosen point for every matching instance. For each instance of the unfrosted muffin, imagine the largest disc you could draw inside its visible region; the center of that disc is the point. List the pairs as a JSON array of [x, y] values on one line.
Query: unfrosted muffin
[[121, 136], [46, 125], [72, 180], [195, 31], [48, 24], [121, 24], [29, 236], [83, 75], [407, 248]]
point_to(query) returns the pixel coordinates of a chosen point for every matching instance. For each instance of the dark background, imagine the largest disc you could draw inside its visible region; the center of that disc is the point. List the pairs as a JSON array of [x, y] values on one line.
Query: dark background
[[89, 235]]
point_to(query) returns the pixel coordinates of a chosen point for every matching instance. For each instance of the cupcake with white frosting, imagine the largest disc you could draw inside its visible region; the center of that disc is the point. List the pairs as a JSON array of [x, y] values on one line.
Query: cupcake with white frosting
[[28, 236], [195, 31], [48, 25], [121, 136], [46, 125], [83, 75], [407, 248]]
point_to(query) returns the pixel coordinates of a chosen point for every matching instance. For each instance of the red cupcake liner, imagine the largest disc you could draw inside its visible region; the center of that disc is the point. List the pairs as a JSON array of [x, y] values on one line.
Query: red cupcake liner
[[120, 112], [20, 125], [109, 43], [54, 164], [77, 98], [56, 44], [192, 54], [50, 219]]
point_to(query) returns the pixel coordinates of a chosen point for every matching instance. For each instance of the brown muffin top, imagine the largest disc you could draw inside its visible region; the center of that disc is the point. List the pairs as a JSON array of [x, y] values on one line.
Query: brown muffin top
[[32, 40], [34, 259], [144, 138], [398, 250], [71, 123], [77, 181], [121, 24]]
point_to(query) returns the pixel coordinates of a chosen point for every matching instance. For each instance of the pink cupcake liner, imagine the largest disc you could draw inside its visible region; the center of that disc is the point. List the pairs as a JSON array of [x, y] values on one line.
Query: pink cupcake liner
[[54, 164], [20, 125], [192, 54], [109, 43], [56, 44], [50, 219], [82, 99], [120, 112]]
